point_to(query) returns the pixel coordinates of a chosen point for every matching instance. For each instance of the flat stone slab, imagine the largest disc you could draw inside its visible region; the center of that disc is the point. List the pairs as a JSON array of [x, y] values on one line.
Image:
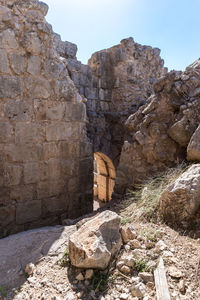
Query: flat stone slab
[[30, 246]]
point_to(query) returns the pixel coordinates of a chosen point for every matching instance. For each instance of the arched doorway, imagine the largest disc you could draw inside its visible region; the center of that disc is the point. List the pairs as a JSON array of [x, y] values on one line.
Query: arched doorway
[[104, 179]]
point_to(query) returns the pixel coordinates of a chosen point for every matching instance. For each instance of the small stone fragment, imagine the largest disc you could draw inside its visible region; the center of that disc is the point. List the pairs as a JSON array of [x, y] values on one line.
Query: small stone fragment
[[146, 277], [80, 277], [128, 233], [89, 273], [135, 244], [125, 270], [30, 268], [174, 272], [138, 290], [160, 246], [182, 286]]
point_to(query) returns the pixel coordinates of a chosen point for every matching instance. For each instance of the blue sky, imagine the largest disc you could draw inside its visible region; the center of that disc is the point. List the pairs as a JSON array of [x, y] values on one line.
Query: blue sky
[[171, 25]]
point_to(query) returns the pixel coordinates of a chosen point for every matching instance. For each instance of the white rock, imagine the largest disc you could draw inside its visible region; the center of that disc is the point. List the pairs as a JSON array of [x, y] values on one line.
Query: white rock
[[30, 268], [80, 277], [138, 290], [93, 245], [160, 246], [89, 273], [124, 296]]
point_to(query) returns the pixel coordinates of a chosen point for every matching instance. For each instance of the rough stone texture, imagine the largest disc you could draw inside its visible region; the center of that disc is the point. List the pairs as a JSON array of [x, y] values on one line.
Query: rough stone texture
[[43, 141], [93, 245], [193, 149], [181, 199], [20, 249], [116, 82], [160, 131]]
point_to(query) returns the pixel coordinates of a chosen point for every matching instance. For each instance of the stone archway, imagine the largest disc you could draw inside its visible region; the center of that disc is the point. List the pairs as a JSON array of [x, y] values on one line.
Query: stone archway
[[104, 178]]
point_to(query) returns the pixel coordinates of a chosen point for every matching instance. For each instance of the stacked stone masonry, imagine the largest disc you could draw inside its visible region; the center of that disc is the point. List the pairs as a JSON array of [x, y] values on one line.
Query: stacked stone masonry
[[44, 150], [55, 112]]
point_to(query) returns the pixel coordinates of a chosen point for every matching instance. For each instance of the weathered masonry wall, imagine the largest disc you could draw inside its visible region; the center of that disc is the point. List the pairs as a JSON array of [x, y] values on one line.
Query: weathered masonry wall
[[116, 82], [46, 160]]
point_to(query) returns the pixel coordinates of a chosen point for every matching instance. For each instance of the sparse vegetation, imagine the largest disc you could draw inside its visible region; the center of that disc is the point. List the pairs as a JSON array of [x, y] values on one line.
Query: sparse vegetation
[[140, 265], [65, 261], [100, 280], [147, 195], [3, 292], [151, 235], [125, 221]]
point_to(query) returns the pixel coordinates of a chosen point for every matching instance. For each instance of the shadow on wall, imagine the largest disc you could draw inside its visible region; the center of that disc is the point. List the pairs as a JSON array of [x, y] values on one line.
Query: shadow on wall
[[104, 178]]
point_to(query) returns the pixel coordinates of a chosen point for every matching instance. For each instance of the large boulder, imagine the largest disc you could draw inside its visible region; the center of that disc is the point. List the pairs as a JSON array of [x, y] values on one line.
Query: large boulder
[[193, 149], [181, 199], [93, 245]]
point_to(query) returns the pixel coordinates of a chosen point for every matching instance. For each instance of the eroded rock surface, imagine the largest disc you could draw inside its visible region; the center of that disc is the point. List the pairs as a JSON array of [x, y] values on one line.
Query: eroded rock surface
[[93, 245], [160, 131], [44, 150], [181, 199]]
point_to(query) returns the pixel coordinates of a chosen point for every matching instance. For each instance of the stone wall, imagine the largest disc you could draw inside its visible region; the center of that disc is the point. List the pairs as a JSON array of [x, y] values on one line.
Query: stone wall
[[116, 82], [45, 154], [163, 132]]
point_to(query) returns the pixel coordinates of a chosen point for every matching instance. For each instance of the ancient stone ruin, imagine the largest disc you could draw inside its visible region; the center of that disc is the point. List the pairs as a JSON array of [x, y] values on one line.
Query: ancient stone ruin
[[69, 131]]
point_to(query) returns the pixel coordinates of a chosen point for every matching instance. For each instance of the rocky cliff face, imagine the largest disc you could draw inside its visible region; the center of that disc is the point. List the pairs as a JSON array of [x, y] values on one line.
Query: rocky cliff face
[[44, 150], [163, 132]]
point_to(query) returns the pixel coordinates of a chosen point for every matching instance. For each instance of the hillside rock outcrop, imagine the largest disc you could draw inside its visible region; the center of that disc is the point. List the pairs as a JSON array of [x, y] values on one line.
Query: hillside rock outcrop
[[160, 131]]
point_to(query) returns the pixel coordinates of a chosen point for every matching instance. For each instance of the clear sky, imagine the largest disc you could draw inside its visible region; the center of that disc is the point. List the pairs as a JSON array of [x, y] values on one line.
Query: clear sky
[[171, 25]]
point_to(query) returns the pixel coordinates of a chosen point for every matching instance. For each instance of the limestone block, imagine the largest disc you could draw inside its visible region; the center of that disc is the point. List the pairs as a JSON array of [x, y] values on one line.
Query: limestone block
[[65, 90], [50, 150], [46, 189], [53, 68], [7, 215], [58, 131], [18, 63], [48, 110], [31, 42], [6, 133], [17, 110], [4, 65], [28, 212], [27, 132], [8, 39], [73, 65], [13, 174], [70, 50], [193, 149], [91, 93], [41, 88], [31, 172], [68, 150], [23, 193], [54, 205], [23, 152], [75, 112], [4, 195], [179, 133], [10, 87], [50, 169], [95, 242], [34, 65], [181, 199]]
